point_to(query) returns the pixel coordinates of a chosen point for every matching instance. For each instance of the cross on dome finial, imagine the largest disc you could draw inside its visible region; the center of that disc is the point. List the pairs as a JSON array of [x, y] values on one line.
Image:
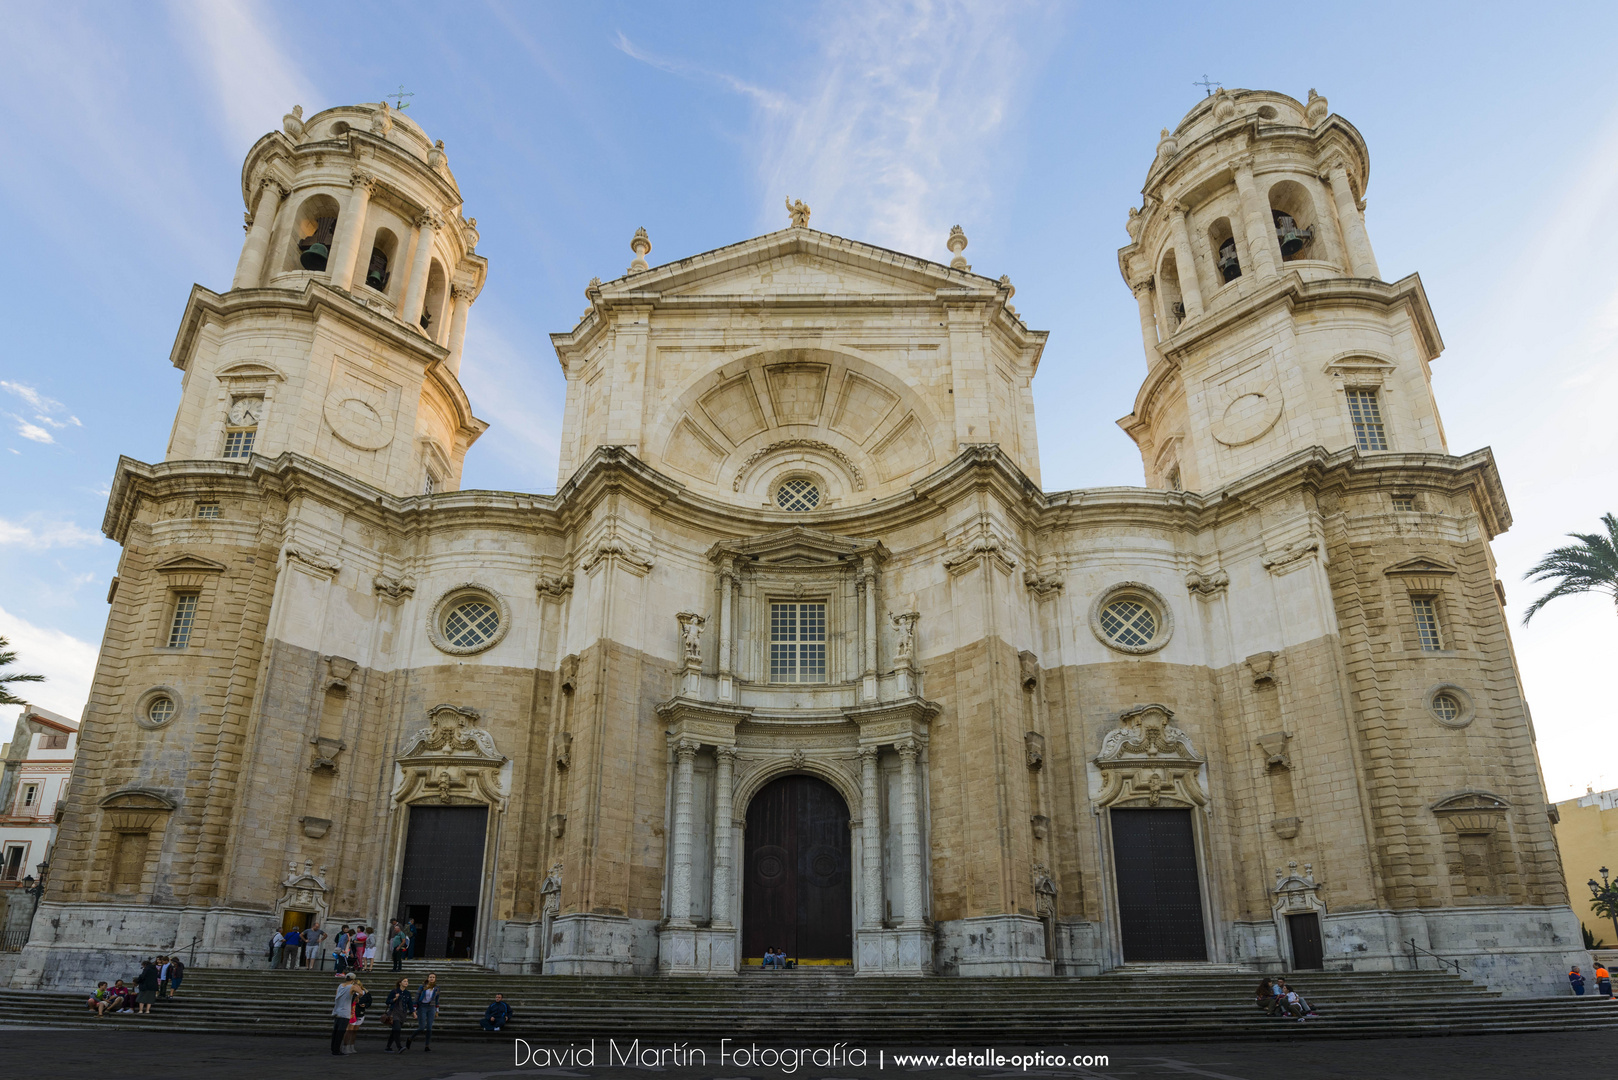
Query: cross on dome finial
[[399, 96], [799, 210], [1208, 85]]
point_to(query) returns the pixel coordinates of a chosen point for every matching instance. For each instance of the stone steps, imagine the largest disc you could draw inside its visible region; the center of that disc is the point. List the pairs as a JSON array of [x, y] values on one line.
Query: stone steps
[[799, 1006]]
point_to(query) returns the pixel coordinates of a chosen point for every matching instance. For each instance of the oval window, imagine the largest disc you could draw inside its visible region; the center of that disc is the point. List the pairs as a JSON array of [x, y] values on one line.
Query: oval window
[[1129, 622], [1446, 707], [471, 623], [160, 710], [797, 494]]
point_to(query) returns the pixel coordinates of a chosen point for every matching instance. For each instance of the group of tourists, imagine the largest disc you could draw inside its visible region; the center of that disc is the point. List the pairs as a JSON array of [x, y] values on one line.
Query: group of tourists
[[159, 977], [297, 948], [400, 1007], [1276, 998], [776, 958], [1603, 980], [355, 949]]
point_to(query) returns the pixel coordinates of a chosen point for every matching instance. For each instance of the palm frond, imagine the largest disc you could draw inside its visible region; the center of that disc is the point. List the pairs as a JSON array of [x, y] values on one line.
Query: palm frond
[[1591, 565]]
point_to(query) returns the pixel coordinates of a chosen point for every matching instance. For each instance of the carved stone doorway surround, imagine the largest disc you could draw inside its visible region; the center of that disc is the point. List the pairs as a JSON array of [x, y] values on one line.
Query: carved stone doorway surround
[[450, 762], [748, 750], [1145, 761]]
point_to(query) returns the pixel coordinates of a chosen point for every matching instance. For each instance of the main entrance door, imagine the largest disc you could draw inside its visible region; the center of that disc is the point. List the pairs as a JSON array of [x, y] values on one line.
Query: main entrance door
[[1159, 894], [796, 890], [443, 875]]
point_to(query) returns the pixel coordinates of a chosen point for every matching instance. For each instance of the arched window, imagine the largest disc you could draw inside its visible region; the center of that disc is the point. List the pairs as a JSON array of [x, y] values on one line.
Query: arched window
[[1293, 212], [383, 247], [314, 230], [1223, 242], [432, 310], [1168, 287]]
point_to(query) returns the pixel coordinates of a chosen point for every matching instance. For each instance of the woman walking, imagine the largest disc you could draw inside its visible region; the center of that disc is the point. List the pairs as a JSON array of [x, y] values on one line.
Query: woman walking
[[361, 1002], [401, 1006], [427, 1002]]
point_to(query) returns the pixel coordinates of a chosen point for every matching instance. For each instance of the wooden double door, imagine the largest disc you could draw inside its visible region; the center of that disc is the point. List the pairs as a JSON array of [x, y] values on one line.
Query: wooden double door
[[797, 892], [1154, 855], [442, 880]]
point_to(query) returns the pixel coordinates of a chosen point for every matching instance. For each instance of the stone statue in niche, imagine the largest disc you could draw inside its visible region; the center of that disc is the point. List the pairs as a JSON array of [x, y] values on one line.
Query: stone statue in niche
[[904, 625], [691, 635]]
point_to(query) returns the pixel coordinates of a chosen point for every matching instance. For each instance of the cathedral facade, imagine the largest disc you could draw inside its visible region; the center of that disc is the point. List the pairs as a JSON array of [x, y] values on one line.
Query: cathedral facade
[[800, 654]]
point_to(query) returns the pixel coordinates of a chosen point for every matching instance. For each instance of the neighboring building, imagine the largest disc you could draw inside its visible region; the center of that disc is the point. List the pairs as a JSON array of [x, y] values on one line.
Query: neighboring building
[[800, 653], [1587, 836], [35, 769]]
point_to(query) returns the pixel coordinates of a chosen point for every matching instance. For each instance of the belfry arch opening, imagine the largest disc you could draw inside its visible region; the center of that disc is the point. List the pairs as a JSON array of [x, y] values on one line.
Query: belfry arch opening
[[1223, 244], [1293, 212], [378, 272], [797, 875], [314, 231]]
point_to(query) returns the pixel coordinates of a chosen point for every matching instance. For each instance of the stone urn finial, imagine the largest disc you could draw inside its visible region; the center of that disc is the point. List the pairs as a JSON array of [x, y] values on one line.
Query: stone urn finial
[[957, 243], [292, 124], [641, 245], [1224, 106], [1167, 145], [1317, 109], [436, 158]]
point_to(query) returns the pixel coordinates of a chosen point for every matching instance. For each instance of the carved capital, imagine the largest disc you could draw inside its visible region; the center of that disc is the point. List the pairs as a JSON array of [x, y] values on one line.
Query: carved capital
[[428, 221], [359, 178], [909, 750], [869, 753], [685, 750], [725, 753], [557, 585]]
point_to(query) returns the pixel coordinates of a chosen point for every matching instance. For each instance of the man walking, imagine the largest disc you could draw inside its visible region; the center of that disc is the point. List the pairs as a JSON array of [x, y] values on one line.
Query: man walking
[[294, 947], [342, 1011], [313, 941], [410, 939], [277, 945], [397, 945]]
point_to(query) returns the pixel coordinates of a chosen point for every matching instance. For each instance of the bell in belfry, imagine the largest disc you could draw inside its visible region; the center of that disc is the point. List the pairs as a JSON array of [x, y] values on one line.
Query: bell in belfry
[[316, 247], [1292, 238], [376, 276]]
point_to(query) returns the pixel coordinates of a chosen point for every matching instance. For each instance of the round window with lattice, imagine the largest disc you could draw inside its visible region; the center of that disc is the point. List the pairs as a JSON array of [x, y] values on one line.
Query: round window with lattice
[[1132, 618], [1450, 705], [798, 494], [161, 710], [468, 619]]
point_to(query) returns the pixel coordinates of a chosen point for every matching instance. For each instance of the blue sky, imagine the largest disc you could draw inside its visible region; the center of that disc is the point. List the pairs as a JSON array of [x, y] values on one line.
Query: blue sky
[[1494, 148]]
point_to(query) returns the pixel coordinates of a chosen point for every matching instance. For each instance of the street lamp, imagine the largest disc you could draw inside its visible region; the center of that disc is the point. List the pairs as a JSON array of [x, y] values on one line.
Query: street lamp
[[1605, 896]]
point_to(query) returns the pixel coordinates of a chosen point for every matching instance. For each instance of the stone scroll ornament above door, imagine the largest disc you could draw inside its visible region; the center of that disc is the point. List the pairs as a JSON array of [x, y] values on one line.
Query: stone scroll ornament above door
[[1147, 761], [451, 760]]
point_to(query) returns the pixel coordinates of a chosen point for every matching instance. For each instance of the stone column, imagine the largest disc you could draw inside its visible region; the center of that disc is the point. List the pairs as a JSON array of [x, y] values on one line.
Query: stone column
[[1262, 247], [680, 895], [1148, 321], [727, 583], [1361, 262], [346, 257], [723, 906], [462, 297], [910, 833], [251, 265], [1185, 261], [427, 226], [867, 584], [871, 837]]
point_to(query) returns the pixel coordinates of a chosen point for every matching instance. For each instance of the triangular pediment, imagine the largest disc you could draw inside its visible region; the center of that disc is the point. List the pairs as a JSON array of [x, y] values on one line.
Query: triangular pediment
[[800, 262], [190, 564], [798, 546]]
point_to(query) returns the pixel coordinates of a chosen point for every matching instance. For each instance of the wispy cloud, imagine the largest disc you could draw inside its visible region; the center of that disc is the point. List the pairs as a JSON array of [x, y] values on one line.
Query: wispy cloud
[[46, 410], [892, 136], [524, 413], [67, 663], [234, 47], [32, 432], [34, 534]]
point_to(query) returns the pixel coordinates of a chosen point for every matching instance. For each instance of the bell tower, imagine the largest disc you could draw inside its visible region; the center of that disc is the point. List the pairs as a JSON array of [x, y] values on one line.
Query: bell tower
[[341, 335], [1267, 326]]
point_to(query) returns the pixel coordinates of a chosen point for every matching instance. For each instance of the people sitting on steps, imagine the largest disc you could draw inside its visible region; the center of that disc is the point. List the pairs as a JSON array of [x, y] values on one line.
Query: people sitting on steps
[[497, 1015]]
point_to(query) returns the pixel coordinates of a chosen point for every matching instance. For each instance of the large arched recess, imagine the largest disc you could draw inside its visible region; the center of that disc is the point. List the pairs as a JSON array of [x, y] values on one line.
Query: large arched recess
[[797, 873]]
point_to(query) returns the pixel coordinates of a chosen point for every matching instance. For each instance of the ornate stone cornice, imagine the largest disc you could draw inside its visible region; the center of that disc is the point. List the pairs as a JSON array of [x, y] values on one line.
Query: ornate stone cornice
[[799, 444]]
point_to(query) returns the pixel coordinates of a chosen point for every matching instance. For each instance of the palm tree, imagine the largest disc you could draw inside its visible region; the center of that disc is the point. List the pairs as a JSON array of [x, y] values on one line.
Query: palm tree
[[1591, 565], [7, 658]]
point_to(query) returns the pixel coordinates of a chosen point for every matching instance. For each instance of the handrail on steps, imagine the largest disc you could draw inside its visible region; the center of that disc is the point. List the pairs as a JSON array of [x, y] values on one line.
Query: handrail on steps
[[1415, 958]]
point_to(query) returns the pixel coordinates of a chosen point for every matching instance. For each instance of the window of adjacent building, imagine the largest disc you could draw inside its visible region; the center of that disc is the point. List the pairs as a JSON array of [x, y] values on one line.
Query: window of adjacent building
[[208, 509], [129, 862], [797, 642], [11, 862], [241, 426], [1366, 413], [1404, 502], [1426, 610], [185, 617], [54, 741], [30, 796], [797, 494]]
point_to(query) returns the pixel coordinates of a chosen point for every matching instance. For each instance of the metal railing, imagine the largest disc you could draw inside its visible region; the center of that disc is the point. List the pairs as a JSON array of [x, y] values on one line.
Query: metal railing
[[190, 960], [1416, 952], [13, 940]]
